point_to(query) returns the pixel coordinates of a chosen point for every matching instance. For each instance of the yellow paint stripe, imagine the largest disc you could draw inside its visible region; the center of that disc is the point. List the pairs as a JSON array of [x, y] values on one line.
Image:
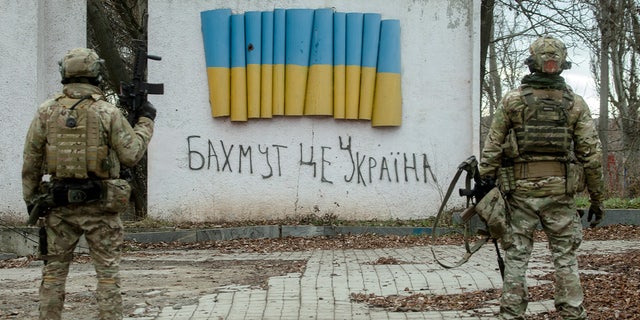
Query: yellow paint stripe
[[219, 89], [278, 89], [238, 94], [266, 91], [253, 90], [296, 84], [319, 98], [352, 98], [387, 102], [339, 88], [367, 90]]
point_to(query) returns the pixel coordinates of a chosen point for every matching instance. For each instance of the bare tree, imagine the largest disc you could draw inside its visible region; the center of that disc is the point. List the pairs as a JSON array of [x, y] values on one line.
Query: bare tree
[[113, 26], [505, 64], [618, 62], [610, 31]]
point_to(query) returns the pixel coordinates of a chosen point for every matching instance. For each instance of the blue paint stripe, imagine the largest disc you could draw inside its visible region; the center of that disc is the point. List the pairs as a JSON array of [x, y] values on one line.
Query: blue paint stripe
[[253, 36], [216, 37], [370, 41], [322, 37], [299, 23], [354, 38], [306, 40], [389, 53], [237, 41], [339, 38], [279, 31], [267, 37]]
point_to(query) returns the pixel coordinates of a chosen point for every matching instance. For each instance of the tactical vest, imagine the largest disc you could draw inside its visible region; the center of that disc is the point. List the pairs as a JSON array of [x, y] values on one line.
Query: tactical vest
[[545, 125], [74, 147]]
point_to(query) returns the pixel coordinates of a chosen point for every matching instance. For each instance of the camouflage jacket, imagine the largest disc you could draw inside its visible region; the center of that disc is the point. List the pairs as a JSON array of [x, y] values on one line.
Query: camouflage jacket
[[127, 144], [586, 147]]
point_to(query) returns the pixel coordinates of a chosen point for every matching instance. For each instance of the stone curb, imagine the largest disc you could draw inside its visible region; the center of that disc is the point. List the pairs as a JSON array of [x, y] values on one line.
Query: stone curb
[[23, 241], [274, 231]]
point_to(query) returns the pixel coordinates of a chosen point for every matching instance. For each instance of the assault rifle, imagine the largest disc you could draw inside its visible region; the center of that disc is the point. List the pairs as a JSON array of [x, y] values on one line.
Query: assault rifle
[[134, 94], [132, 97], [474, 195], [479, 190]]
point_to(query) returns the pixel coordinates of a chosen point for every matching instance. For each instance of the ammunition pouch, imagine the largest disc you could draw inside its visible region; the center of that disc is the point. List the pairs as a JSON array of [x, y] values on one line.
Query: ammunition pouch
[[507, 179], [493, 210]]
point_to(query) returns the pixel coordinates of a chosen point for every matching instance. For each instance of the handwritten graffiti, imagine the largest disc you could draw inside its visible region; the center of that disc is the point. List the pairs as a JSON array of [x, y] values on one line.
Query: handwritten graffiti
[[355, 166]]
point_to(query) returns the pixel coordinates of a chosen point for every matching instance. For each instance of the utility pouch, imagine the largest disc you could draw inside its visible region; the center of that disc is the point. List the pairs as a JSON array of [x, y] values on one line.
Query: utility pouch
[[115, 195], [492, 209], [69, 191], [575, 178], [510, 145]]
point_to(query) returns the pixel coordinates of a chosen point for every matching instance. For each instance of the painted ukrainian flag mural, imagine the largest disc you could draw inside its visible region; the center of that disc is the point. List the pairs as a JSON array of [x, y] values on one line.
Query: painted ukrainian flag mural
[[303, 62]]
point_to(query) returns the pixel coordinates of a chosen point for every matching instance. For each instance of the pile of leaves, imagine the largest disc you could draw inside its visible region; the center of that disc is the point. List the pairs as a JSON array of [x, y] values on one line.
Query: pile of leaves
[[357, 241], [428, 302], [611, 294]]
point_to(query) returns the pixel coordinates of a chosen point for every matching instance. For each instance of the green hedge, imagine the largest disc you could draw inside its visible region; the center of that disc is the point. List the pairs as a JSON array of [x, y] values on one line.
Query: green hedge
[[612, 203]]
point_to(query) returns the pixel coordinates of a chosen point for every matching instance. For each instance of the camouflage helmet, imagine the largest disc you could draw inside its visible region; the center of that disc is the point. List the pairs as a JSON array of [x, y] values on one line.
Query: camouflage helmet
[[548, 55], [81, 62]]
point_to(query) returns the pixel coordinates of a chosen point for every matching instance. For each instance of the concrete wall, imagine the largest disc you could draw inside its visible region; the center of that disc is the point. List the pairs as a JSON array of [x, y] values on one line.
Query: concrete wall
[[34, 36], [296, 165], [204, 168]]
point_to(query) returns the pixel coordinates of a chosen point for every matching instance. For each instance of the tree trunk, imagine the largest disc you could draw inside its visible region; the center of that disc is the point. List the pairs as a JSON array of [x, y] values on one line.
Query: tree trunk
[[105, 43], [126, 16], [603, 120], [486, 25]]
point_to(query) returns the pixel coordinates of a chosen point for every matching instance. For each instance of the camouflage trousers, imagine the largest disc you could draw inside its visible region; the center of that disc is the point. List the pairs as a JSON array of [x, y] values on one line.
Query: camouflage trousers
[[104, 235], [561, 223]]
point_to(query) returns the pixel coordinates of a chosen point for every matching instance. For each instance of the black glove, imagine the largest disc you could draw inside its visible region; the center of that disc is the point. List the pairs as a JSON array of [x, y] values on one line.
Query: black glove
[[481, 189], [596, 210], [146, 110]]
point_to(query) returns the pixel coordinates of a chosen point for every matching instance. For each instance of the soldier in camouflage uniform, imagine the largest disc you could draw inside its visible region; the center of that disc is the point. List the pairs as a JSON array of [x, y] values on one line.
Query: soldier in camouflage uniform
[[544, 133], [77, 141]]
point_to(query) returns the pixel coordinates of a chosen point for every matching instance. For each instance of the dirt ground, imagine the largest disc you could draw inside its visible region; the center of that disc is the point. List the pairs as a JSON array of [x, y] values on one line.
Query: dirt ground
[[148, 284], [161, 275]]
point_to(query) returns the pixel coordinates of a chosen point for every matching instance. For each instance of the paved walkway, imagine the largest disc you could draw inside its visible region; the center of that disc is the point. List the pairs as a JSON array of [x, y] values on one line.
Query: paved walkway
[[323, 290]]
